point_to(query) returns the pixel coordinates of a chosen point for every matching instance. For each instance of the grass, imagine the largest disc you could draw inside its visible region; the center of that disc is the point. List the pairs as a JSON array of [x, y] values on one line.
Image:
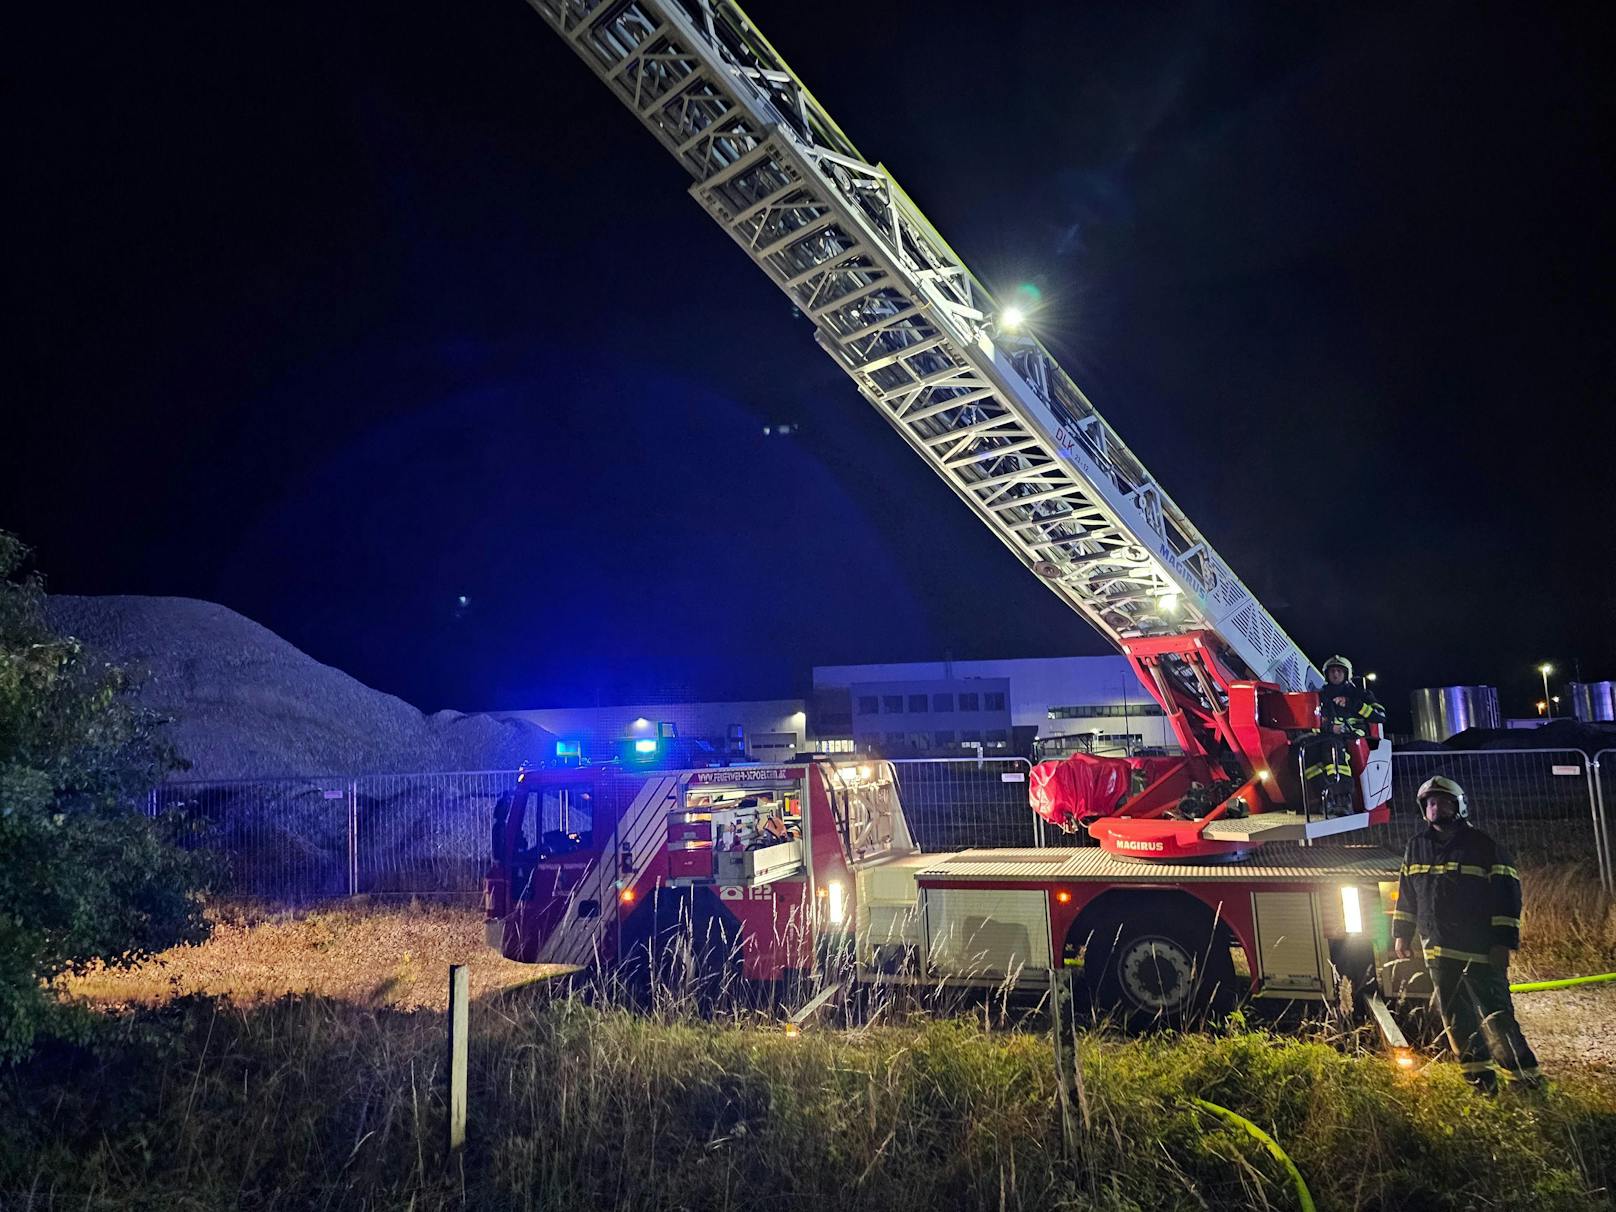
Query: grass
[[296, 1061], [310, 1102], [1568, 924], [385, 953]]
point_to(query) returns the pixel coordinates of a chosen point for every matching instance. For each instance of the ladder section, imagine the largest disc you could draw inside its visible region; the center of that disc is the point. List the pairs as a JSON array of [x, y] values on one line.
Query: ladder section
[[990, 411]]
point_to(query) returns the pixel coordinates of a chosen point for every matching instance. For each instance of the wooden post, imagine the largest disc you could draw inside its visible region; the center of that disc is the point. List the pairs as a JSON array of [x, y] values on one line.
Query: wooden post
[[1062, 1027], [459, 1048]]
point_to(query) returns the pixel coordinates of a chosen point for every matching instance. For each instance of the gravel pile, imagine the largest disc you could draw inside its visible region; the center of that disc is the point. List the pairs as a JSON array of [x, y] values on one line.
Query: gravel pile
[[247, 704]]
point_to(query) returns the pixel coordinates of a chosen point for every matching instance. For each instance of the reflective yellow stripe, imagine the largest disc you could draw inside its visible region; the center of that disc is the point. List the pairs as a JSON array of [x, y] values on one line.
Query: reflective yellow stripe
[[1474, 1066], [1444, 868], [1399, 916], [1455, 954], [1501, 869], [1311, 771], [1366, 711], [1501, 920]]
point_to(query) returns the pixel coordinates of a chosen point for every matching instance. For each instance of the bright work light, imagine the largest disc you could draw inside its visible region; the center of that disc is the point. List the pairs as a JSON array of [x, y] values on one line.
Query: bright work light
[[1351, 911]]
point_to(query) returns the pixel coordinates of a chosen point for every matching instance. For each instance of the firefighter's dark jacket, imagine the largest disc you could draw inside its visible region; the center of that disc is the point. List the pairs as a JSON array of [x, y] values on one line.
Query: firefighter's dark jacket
[[1462, 894], [1351, 705]]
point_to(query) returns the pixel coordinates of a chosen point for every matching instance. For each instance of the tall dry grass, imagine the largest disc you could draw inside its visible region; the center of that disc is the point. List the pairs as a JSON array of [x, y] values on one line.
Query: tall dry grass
[[1568, 923], [309, 1102], [334, 1098]]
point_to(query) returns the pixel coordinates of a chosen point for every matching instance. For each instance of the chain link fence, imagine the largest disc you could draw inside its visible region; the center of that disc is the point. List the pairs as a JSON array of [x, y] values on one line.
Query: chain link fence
[[307, 839]]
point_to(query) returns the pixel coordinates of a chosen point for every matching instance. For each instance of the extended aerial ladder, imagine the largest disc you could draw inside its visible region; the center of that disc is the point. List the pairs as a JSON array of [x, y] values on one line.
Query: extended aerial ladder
[[985, 404]]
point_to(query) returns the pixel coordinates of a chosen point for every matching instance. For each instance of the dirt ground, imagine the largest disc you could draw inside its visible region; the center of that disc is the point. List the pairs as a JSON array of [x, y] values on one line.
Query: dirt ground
[[397, 954], [1572, 1030]]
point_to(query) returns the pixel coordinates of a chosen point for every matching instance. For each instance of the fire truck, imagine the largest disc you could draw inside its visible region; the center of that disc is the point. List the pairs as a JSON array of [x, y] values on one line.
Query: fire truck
[[1217, 873]]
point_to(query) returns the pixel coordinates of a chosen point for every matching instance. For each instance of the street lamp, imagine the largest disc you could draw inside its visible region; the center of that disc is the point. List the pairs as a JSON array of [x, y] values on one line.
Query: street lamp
[[1370, 677], [1545, 670]]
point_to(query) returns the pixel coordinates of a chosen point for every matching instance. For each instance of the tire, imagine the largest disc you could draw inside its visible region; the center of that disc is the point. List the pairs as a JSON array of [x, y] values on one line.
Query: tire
[[1159, 969]]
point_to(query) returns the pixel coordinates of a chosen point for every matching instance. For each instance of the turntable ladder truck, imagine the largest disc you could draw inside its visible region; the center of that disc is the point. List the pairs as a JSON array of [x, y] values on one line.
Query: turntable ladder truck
[[983, 402]]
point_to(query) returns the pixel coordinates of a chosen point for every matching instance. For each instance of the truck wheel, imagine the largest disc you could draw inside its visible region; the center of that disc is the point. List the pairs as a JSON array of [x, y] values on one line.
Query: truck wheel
[[1161, 970]]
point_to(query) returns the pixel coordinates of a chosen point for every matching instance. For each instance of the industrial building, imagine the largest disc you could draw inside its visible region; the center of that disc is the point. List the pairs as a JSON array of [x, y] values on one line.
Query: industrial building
[[1051, 705], [1043, 707]]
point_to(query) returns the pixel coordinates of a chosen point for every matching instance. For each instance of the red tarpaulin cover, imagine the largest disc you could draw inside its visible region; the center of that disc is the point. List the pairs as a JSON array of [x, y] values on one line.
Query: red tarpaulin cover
[[1082, 787]]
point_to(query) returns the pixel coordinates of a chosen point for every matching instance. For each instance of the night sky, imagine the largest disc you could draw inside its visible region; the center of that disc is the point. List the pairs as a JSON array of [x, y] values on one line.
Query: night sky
[[334, 313]]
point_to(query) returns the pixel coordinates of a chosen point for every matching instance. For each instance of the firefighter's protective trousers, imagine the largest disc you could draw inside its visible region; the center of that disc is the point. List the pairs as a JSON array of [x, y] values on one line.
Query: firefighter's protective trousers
[[1473, 999]]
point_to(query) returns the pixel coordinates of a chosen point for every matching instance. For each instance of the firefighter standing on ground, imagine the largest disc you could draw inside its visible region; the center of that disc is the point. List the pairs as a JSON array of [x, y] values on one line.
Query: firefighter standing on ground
[[1460, 891]]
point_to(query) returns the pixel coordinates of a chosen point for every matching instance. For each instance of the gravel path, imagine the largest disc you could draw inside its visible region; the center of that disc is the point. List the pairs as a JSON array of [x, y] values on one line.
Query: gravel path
[[1572, 1029]]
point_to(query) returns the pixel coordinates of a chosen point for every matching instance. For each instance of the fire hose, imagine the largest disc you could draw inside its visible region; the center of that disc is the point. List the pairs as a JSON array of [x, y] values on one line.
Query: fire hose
[[1568, 983], [1304, 1198]]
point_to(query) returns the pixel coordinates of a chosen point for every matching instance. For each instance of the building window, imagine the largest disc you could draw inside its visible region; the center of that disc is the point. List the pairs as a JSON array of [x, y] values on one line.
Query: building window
[[892, 704], [896, 740], [968, 702], [917, 702], [869, 704], [971, 736], [942, 740], [1105, 711], [919, 740], [993, 700], [839, 745], [942, 702], [997, 738]]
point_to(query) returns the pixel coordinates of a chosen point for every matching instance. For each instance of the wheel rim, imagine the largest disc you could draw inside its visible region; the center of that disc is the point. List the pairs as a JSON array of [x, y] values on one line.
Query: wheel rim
[[1157, 974]]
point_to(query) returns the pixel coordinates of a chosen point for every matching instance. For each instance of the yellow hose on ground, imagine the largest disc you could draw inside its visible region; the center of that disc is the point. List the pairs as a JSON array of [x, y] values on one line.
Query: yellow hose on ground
[[1303, 1196], [1567, 983]]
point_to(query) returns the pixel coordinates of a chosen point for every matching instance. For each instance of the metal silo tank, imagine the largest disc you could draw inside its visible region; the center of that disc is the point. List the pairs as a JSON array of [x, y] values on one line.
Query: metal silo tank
[[1441, 711], [1592, 702]]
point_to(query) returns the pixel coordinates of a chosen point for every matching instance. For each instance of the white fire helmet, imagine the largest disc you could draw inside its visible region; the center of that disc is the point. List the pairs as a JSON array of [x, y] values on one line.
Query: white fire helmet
[[1337, 659], [1447, 786]]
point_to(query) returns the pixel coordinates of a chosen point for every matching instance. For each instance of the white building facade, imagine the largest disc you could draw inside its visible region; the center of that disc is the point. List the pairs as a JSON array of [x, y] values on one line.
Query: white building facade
[[1066, 704]]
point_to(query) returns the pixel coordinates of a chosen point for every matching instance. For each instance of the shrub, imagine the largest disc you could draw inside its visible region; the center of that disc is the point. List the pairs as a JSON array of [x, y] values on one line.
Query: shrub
[[84, 874]]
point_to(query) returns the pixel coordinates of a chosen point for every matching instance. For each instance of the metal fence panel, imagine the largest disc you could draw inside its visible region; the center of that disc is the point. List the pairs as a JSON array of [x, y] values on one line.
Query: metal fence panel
[[961, 803], [425, 834], [1604, 773], [1539, 803], [279, 839], [312, 838]]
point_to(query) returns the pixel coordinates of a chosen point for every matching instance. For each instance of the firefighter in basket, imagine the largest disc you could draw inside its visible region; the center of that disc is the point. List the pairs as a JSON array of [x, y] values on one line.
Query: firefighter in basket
[[1460, 893], [1346, 710]]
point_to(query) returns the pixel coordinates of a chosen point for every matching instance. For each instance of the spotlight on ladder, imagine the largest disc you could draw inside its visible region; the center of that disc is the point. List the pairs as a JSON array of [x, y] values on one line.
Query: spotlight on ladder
[[1012, 318]]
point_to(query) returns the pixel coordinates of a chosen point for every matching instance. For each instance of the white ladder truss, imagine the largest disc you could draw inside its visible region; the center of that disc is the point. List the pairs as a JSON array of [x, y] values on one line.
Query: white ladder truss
[[992, 413]]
